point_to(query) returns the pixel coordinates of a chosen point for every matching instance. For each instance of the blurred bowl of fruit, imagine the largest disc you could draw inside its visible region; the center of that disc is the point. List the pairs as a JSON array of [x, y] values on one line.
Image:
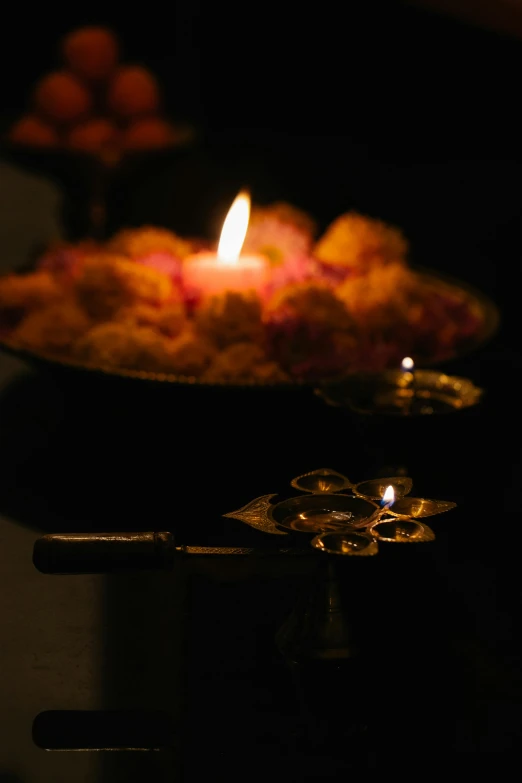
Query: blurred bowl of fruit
[[91, 117]]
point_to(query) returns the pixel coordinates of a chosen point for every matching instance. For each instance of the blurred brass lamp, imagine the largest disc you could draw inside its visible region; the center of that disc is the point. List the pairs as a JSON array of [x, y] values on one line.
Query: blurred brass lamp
[[407, 391]]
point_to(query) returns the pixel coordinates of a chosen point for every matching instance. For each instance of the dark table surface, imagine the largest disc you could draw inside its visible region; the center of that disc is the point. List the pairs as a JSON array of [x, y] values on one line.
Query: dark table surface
[[440, 629]]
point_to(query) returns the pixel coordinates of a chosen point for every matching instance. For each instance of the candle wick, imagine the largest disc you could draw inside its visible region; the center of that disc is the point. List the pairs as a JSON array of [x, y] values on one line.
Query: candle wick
[[376, 516], [411, 388], [413, 384]]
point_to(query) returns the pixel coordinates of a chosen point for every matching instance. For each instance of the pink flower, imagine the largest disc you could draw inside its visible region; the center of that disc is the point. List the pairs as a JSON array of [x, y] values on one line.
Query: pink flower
[[164, 262], [65, 261], [277, 240]]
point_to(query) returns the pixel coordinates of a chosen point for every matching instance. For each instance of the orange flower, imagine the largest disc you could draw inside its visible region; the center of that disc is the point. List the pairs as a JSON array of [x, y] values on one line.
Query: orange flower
[[109, 283], [54, 329], [359, 242]]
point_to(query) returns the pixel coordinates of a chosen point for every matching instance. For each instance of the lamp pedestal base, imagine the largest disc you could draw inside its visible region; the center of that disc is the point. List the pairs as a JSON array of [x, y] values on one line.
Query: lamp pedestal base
[[319, 645]]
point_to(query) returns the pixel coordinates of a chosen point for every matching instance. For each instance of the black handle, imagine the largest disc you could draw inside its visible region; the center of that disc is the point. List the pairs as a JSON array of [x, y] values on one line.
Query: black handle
[[105, 553], [104, 730], [101, 553]]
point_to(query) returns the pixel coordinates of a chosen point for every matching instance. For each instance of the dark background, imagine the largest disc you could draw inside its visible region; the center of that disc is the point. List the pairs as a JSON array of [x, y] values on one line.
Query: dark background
[[402, 79], [386, 108], [387, 74]]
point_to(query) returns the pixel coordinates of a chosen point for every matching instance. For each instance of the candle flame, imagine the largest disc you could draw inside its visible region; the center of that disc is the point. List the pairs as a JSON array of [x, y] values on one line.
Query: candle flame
[[234, 229], [389, 496], [407, 364]]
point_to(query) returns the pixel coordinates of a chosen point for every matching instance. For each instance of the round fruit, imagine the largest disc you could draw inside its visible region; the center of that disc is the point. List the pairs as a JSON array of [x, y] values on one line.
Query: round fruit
[[148, 133], [62, 98], [133, 91], [93, 136], [33, 131], [91, 52]]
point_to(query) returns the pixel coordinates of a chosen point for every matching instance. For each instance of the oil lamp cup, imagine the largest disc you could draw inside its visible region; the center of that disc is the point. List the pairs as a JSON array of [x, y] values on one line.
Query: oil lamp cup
[[404, 419], [399, 393], [321, 512]]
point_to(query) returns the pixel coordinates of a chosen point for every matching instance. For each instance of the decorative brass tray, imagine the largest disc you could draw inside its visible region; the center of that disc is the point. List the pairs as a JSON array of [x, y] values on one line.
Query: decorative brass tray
[[482, 304]]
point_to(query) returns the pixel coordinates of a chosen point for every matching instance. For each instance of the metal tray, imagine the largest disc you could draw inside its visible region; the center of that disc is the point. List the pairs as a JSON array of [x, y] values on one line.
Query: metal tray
[[482, 303]]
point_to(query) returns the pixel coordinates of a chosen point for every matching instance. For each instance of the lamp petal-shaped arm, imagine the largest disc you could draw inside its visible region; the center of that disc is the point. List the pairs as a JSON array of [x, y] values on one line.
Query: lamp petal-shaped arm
[[256, 515], [419, 507]]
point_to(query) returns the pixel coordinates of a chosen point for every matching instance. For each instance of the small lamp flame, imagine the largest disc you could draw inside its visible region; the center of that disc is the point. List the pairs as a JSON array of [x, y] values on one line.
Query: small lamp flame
[[407, 364], [234, 229], [389, 497]]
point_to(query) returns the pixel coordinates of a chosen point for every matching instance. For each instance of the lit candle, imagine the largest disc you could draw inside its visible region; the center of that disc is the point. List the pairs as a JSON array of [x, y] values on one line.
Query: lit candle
[[210, 273]]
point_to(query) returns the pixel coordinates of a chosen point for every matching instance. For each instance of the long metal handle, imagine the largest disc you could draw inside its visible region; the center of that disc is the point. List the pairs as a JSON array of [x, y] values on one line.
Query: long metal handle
[[99, 553]]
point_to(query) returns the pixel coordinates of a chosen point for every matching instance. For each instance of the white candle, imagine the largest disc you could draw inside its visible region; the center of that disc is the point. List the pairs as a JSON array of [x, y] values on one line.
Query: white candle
[[227, 270]]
